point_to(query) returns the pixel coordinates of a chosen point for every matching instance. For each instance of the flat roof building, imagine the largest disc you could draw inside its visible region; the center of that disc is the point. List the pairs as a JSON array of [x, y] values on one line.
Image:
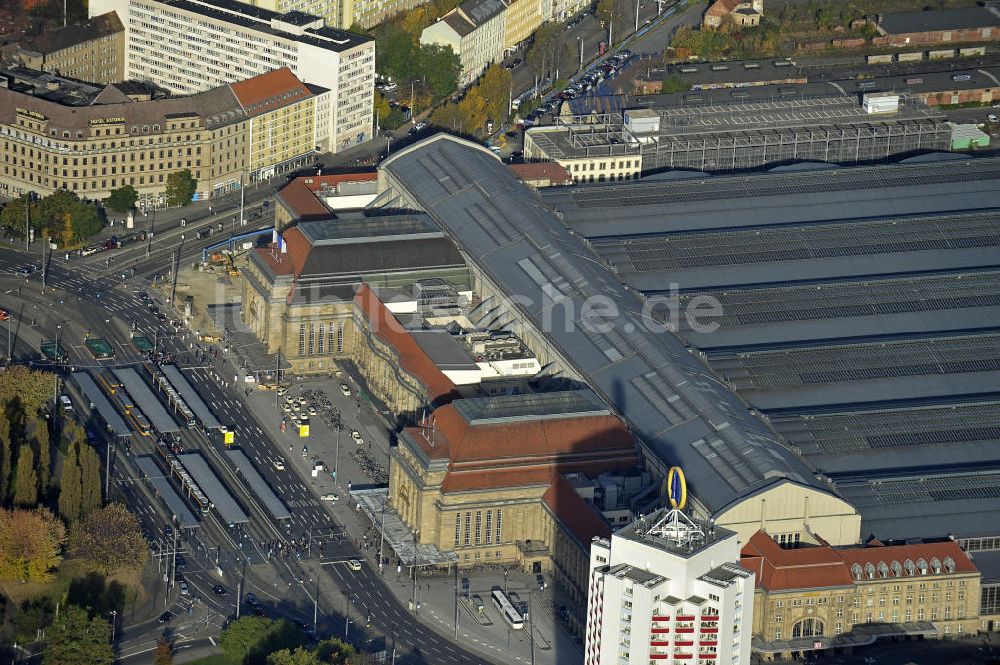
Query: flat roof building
[[737, 74], [857, 315], [667, 588], [967, 24], [732, 135], [188, 46]]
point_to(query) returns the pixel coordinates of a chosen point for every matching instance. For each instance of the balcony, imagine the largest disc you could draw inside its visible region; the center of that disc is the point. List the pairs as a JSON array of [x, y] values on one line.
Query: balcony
[[659, 656], [684, 643], [685, 630], [708, 643], [710, 617], [683, 656], [708, 656], [659, 643], [710, 631], [659, 631], [685, 617], [661, 617]]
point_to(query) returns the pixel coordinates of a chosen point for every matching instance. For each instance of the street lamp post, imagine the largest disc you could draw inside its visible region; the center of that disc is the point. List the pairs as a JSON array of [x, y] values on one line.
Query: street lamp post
[[336, 459], [114, 617]]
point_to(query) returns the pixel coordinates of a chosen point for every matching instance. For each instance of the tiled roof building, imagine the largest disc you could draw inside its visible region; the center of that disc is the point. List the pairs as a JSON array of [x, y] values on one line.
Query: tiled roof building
[[823, 597], [483, 478]]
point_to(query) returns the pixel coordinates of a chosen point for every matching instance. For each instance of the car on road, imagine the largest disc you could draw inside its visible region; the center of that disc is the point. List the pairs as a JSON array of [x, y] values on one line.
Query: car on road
[[356, 435], [332, 496], [306, 627], [180, 562], [354, 564], [992, 117], [541, 582], [346, 389], [219, 590], [4, 314], [168, 530], [252, 600], [477, 601], [184, 588], [166, 617], [25, 271], [279, 465]]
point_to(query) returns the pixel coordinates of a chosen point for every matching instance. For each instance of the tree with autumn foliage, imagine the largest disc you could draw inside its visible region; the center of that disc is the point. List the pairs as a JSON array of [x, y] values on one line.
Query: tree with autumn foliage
[[163, 655], [111, 540], [31, 543]]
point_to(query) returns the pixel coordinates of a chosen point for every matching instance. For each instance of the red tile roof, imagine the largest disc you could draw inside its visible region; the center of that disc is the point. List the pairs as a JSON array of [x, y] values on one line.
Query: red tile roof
[[578, 516], [440, 388], [301, 201], [553, 172], [297, 249], [275, 89], [723, 7], [780, 569]]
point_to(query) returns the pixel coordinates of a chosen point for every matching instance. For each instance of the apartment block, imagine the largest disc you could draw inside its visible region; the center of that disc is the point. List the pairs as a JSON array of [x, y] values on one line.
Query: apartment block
[[189, 46], [475, 32], [56, 133], [666, 589], [93, 51], [343, 14]]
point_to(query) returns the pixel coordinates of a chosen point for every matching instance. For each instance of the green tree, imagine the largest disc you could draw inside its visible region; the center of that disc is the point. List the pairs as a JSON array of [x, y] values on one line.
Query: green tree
[[70, 497], [336, 652], [440, 68], [31, 387], [495, 88], [541, 55], [25, 478], [394, 52], [181, 187], [163, 655], [122, 199], [6, 459], [90, 480], [30, 544], [84, 220], [674, 83], [299, 656], [44, 465], [248, 640], [111, 539], [76, 639], [12, 217]]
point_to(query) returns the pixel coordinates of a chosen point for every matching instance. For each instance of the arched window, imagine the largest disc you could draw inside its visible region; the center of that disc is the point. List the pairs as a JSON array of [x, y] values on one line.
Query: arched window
[[922, 566], [869, 570], [883, 570], [897, 570], [807, 628], [949, 564], [909, 567], [936, 565], [856, 571]]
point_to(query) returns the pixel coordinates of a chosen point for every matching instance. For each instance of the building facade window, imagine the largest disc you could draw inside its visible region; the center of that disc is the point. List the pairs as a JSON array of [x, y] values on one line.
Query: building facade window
[[458, 527], [302, 339], [479, 527], [489, 527], [340, 337], [499, 531], [312, 338], [319, 339], [468, 528]]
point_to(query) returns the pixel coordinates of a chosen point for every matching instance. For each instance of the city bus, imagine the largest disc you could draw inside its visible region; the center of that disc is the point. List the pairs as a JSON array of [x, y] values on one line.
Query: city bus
[[510, 614]]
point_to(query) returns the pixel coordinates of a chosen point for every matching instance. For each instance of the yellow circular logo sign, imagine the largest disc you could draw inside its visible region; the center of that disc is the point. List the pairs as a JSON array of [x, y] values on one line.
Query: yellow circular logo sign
[[676, 488]]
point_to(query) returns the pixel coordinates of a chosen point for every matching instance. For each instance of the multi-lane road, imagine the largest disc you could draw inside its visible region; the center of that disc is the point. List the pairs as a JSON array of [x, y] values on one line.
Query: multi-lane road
[[88, 297]]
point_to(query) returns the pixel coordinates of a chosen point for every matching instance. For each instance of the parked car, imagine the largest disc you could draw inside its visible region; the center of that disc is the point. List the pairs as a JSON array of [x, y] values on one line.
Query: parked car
[[219, 590], [279, 465], [252, 600], [166, 617], [332, 496], [345, 389], [184, 588], [356, 435]]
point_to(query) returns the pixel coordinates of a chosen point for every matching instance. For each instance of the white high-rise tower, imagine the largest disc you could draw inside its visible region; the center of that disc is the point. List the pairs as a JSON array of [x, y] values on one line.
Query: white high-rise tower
[[667, 589]]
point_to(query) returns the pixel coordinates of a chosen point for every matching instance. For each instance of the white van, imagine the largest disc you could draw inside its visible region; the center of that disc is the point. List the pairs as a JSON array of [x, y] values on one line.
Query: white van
[[67, 405]]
